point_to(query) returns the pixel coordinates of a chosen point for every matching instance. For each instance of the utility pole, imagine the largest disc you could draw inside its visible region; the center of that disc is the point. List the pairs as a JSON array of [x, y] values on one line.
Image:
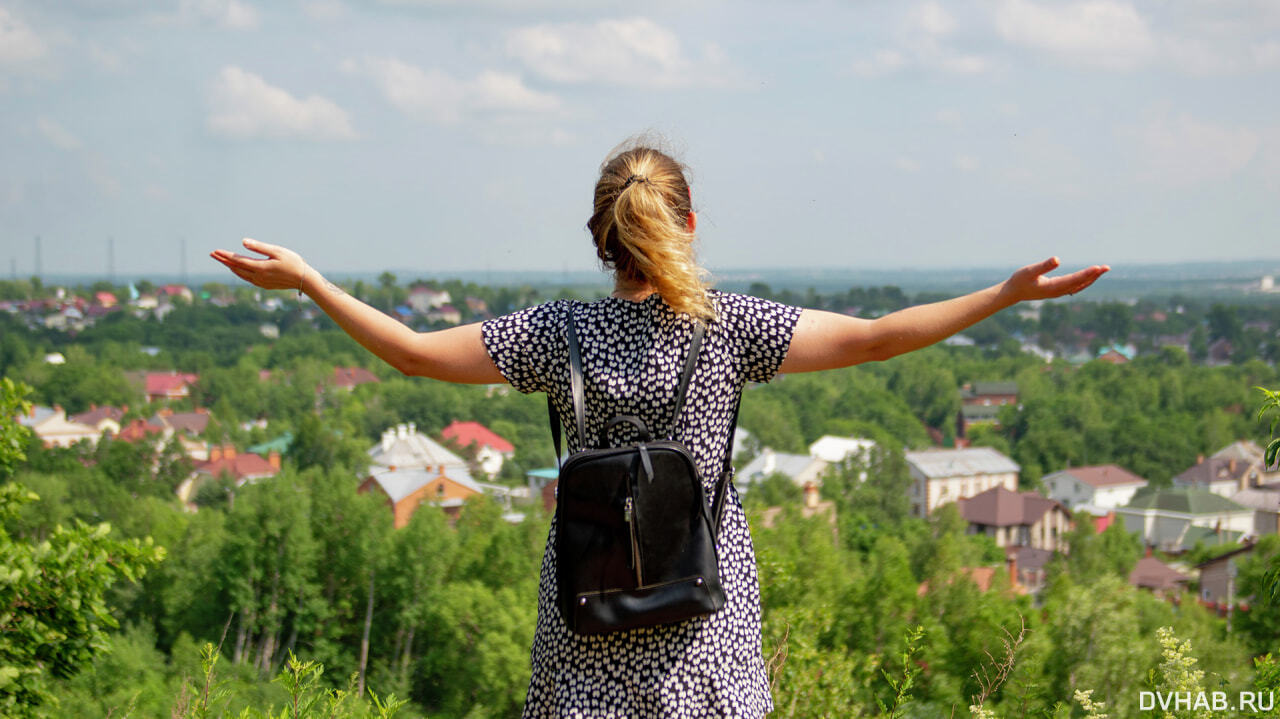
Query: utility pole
[[39, 262], [182, 260], [111, 260]]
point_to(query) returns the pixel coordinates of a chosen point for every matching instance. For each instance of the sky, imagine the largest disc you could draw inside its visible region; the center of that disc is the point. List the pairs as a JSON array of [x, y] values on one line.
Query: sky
[[437, 136]]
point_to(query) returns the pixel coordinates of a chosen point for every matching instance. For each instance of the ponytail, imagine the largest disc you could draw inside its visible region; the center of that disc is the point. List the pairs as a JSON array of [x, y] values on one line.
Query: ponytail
[[640, 228]]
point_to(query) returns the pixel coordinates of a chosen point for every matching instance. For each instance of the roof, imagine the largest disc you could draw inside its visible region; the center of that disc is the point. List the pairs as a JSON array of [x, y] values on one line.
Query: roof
[[1001, 507], [352, 376], [980, 389], [1210, 537], [466, 433], [242, 466], [1227, 555], [1151, 573], [166, 382], [191, 422], [137, 429], [837, 449], [400, 483], [1029, 558], [1246, 450], [279, 444], [769, 463], [37, 415], [979, 412], [1099, 476], [1184, 500], [97, 414], [1267, 500], [405, 447], [938, 463], [1214, 469]]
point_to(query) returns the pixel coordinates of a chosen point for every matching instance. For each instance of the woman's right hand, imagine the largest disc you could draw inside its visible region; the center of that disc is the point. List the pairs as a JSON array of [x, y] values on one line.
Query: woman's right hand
[[283, 269]]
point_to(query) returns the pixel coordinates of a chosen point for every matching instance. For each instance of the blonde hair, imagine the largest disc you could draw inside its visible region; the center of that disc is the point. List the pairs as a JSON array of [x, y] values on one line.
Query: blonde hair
[[640, 227]]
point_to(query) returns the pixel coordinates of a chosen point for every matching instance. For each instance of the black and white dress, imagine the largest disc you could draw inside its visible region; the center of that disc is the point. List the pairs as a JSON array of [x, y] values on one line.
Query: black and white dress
[[632, 353]]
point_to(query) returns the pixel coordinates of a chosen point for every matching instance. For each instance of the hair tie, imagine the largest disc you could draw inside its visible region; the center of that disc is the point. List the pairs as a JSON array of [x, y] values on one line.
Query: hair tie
[[633, 179]]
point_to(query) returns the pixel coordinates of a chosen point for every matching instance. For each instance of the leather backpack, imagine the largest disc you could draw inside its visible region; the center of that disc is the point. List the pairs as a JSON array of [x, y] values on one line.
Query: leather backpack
[[635, 534]]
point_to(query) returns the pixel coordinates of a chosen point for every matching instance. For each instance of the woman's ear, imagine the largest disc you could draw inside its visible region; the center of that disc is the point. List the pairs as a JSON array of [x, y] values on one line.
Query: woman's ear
[[692, 222]]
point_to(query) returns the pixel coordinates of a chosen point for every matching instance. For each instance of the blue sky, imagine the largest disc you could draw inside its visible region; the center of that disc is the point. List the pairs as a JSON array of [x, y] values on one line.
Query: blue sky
[[438, 136]]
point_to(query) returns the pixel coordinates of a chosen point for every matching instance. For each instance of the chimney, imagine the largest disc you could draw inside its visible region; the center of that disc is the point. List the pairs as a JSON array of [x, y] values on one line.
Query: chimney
[[1199, 458], [388, 437], [402, 431], [1011, 559], [215, 454], [412, 428], [810, 495], [273, 459], [770, 462], [229, 451]]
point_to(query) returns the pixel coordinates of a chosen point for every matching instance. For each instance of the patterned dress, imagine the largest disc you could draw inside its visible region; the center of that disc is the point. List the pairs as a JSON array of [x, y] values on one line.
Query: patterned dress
[[632, 353]]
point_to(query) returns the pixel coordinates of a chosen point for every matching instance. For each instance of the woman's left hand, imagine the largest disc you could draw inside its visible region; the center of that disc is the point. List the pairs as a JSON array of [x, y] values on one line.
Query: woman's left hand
[[283, 269], [1030, 283]]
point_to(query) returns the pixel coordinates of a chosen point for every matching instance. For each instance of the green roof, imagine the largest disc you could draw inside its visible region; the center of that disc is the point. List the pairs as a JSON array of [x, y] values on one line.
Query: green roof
[[280, 444], [1185, 500], [1208, 537]]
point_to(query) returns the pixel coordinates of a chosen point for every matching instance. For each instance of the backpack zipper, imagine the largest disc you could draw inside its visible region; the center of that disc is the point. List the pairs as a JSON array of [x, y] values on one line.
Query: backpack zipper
[[629, 518]]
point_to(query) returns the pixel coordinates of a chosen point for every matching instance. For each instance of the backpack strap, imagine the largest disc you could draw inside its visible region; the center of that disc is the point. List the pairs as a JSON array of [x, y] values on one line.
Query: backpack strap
[[686, 374]]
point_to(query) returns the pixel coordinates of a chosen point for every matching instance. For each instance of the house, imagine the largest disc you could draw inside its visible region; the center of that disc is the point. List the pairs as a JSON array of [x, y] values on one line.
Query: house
[[1105, 486], [1157, 577], [1218, 577], [802, 469], [940, 476], [172, 292], [973, 414], [1117, 354], [1249, 452], [162, 386], [139, 429], [1223, 475], [53, 428], [445, 313], [423, 299], [1173, 519], [813, 506], [349, 378], [225, 462], [191, 424], [105, 299], [411, 468], [984, 578], [104, 419], [1265, 503], [491, 449], [1017, 519], [989, 393]]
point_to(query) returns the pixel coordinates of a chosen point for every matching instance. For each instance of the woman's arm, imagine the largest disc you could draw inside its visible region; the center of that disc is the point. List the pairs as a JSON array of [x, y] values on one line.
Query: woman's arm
[[826, 340], [456, 354]]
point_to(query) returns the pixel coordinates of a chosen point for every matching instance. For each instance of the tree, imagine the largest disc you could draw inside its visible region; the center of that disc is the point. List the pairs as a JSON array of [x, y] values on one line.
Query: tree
[[53, 610]]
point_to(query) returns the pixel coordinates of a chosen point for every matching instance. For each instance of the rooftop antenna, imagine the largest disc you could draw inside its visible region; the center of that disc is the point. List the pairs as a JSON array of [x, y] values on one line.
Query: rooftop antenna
[[111, 260]]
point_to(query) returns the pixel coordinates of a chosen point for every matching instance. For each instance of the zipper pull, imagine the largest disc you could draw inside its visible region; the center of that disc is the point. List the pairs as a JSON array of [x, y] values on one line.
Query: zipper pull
[[626, 511]]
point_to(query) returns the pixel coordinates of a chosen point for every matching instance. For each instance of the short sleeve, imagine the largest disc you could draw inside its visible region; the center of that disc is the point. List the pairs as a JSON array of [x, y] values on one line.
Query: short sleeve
[[525, 344], [759, 331]]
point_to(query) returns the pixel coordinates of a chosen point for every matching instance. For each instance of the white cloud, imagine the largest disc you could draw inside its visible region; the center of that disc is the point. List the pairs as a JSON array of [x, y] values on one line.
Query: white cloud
[[230, 14], [437, 96], [932, 19], [920, 44], [1184, 151], [633, 52], [1093, 33], [18, 42], [57, 135], [244, 106]]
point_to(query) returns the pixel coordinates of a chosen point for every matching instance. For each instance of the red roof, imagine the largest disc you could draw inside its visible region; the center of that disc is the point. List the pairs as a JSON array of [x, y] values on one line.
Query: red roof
[[465, 433], [1104, 475], [352, 376], [1001, 507], [241, 466], [165, 383]]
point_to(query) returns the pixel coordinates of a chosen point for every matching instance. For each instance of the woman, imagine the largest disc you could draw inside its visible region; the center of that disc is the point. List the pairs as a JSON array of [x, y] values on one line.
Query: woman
[[633, 343]]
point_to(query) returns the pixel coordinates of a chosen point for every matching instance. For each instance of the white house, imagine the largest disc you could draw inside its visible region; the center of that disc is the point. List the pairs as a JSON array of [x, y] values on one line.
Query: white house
[[54, 429], [1105, 486], [941, 476], [802, 469]]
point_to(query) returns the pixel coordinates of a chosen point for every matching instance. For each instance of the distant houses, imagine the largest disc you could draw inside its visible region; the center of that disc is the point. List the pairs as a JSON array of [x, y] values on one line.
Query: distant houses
[[941, 476], [1174, 519], [53, 428], [490, 449], [411, 469]]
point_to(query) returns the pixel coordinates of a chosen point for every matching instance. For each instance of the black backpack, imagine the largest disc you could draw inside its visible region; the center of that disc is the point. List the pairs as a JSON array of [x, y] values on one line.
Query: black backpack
[[635, 537]]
